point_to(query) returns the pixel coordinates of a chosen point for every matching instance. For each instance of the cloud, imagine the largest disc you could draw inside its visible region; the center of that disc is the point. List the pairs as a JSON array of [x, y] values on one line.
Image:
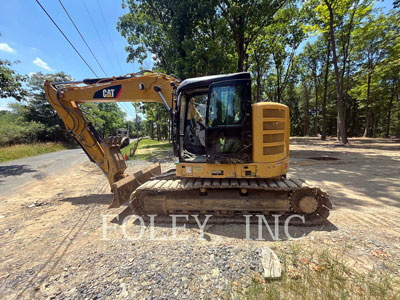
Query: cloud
[[6, 48], [42, 64]]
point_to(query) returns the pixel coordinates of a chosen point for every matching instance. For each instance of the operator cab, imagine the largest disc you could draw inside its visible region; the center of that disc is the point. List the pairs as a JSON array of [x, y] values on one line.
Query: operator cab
[[214, 119]]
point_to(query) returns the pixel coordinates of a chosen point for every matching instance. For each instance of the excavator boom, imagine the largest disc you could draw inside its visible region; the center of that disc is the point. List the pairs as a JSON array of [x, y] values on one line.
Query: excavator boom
[[65, 98]]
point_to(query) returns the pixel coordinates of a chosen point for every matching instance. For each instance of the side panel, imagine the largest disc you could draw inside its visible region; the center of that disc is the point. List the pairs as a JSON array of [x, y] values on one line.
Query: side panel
[[252, 170], [270, 132]]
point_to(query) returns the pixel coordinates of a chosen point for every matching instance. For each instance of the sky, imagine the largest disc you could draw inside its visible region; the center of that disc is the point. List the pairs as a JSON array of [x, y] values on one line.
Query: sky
[[29, 36]]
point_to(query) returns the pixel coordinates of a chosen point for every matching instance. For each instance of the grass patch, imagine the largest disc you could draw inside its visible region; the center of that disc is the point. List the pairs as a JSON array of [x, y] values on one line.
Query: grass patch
[[27, 150], [148, 149], [319, 275]]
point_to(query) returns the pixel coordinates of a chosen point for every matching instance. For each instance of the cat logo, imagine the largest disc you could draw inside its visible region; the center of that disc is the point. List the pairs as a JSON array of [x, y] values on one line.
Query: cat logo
[[110, 92]]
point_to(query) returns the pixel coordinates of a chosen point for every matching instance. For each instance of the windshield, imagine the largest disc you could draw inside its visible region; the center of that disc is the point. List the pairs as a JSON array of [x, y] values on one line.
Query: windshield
[[226, 105]]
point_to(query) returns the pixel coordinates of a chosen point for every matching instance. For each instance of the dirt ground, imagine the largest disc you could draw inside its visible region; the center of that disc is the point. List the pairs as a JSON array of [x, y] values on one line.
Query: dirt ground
[[59, 240]]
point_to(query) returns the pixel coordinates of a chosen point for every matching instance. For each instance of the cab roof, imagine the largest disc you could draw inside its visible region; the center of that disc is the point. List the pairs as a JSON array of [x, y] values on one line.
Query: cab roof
[[198, 83]]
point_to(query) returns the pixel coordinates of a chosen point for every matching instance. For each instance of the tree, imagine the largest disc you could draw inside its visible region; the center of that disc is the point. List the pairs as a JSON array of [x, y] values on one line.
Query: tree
[[313, 63], [15, 130], [325, 83], [326, 74], [284, 37], [106, 117], [186, 38], [190, 37], [339, 91], [371, 52], [11, 83], [38, 109], [246, 19]]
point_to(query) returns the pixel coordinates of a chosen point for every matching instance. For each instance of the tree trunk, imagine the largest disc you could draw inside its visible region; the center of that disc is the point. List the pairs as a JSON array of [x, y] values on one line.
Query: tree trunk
[[278, 84], [323, 135], [240, 45], [240, 65], [375, 123], [158, 131], [316, 104], [258, 93], [306, 110], [389, 115], [342, 124], [398, 114], [347, 105], [353, 129], [152, 130], [167, 133], [367, 113]]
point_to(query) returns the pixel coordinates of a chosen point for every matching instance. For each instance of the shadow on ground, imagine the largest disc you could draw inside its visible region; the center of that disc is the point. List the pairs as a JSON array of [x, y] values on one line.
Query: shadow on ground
[[102, 199], [353, 180], [15, 170], [255, 230], [159, 155], [356, 143]]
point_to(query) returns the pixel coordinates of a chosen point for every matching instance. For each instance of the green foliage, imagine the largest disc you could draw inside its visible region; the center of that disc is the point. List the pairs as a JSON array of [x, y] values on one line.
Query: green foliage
[[280, 42], [186, 38], [11, 82], [193, 38], [148, 150], [318, 274], [106, 117], [246, 20], [35, 119], [14, 130], [36, 109], [28, 150]]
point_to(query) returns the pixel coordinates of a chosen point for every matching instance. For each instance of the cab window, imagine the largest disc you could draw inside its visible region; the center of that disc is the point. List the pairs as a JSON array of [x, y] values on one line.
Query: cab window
[[226, 105]]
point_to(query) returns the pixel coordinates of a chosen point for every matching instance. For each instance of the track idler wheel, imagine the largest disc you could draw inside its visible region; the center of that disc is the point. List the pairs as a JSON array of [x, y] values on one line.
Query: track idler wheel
[[304, 202]]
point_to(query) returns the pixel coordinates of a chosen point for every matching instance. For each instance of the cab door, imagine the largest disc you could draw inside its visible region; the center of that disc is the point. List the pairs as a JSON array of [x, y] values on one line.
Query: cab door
[[228, 122]]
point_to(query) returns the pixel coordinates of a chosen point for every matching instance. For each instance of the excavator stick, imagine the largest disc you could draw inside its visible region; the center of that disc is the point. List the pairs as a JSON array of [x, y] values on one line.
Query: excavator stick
[[123, 188]]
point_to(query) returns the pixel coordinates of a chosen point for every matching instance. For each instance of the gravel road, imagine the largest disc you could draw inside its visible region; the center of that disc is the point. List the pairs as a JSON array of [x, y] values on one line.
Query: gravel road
[[16, 173], [53, 243]]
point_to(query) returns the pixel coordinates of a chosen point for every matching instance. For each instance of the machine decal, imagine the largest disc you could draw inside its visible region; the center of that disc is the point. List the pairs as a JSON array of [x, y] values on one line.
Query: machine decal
[[110, 92]]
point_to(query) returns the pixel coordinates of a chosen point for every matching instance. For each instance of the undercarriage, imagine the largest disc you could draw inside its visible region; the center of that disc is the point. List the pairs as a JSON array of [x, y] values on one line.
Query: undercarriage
[[230, 200]]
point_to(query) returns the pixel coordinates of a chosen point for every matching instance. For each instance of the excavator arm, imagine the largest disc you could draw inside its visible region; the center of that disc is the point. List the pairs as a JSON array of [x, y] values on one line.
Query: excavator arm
[[65, 98]]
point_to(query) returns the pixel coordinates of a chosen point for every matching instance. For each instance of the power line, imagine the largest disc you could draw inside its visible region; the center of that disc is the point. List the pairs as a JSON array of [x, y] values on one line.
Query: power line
[[83, 39], [109, 35], [129, 108], [55, 24], [99, 36], [124, 108]]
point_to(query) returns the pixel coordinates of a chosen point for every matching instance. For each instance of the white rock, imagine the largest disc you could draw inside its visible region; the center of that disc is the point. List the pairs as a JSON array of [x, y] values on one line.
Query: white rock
[[271, 264]]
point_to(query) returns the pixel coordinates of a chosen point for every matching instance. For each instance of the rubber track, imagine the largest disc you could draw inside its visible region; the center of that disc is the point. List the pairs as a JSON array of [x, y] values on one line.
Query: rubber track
[[289, 185]]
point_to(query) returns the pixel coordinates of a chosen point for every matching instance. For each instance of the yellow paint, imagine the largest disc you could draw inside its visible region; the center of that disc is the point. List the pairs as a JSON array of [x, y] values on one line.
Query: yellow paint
[[270, 128], [107, 157], [257, 170], [270, 148], [270, 132]]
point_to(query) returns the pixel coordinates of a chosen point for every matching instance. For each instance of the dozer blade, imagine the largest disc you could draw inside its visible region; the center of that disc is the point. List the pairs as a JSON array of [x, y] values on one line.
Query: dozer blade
[[123, 188]]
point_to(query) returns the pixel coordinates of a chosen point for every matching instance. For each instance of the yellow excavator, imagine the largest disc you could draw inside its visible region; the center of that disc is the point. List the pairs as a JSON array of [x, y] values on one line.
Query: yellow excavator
[[232, 156]]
